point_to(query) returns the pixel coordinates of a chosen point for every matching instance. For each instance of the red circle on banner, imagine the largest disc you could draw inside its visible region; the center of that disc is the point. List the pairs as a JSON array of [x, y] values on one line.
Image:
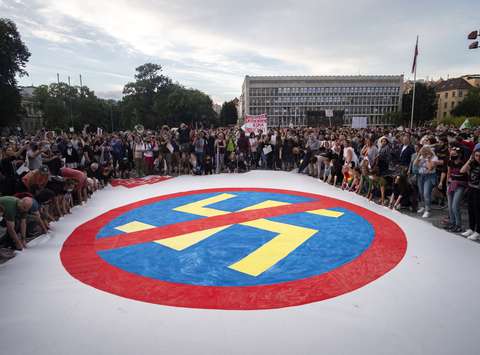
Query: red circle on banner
[[80, 258]]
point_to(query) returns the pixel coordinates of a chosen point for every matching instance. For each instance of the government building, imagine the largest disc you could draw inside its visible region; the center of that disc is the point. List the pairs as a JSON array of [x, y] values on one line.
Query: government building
[[321, 100]]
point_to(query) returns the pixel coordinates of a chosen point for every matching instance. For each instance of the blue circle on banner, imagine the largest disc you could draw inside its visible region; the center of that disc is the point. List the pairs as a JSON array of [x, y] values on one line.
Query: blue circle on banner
[[330, 242]]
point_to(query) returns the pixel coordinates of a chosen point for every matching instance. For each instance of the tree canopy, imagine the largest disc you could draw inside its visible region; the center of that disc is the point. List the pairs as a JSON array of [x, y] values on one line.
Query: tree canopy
[[470, 106], [14, 56], [152, 100], [425, 104], [228, 114], [68, 106]]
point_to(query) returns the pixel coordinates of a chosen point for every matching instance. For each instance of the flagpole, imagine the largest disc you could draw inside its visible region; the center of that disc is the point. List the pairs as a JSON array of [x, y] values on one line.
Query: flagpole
[[414, 84], [413, 97]]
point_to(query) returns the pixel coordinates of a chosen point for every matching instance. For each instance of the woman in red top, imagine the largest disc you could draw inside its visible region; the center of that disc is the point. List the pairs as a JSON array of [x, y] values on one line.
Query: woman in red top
[[81, 178], [36, 180]]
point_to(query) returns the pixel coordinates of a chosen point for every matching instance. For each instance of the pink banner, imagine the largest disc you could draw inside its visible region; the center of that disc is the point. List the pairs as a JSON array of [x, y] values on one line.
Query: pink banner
[[255, 123]]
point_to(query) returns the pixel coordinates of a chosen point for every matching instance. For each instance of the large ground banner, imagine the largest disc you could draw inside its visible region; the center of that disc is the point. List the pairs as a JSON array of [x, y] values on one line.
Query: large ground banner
[[255, 123], [234, 248]]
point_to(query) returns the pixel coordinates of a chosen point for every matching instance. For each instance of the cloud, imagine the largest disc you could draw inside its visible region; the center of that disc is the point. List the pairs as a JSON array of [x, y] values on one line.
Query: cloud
[[213, 44]]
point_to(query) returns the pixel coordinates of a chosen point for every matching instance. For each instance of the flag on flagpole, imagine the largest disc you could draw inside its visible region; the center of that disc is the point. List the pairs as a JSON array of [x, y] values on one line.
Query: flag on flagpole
[[414, 66]]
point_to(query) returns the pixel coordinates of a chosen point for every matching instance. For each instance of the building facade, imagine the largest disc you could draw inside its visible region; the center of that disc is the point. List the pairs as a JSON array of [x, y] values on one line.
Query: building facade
[[451, 92], [311, 100]]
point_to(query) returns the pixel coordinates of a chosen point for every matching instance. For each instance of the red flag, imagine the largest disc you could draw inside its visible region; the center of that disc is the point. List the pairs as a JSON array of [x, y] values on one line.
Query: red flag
[[414, 66]]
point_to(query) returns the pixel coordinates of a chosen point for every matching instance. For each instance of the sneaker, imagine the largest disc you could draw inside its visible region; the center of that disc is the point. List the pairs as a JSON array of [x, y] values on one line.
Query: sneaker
[[448, 226], [467, 233], [421, 210], [456, 229], [426, 214], [474, 236]]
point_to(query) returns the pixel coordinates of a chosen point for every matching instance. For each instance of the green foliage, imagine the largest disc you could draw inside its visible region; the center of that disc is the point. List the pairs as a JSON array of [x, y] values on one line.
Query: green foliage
[[13, 58], [425, 104], [153, 100], [458, 121], [470, 106], [228, 114], [396, 119], [65, 106]]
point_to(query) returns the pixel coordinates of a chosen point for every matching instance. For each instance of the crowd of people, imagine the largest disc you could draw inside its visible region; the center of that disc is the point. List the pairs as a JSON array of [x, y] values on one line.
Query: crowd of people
[[43, 176]]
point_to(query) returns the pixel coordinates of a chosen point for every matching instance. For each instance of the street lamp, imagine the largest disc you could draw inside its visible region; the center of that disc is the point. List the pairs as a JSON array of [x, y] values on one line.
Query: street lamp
[[473, 36]]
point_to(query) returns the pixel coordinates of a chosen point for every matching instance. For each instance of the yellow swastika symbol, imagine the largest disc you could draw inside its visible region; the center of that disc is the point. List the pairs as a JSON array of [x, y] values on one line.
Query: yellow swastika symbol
[[289, 237]]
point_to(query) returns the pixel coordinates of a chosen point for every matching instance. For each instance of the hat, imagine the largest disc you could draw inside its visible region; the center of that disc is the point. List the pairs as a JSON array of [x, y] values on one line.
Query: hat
[[477, 147]]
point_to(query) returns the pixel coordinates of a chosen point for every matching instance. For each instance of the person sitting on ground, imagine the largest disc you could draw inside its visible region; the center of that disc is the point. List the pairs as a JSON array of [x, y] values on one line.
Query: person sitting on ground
[[378, 186], [365, 181], [400, 192], [355, 182], [231, 162], [347, 176], [208, 165]]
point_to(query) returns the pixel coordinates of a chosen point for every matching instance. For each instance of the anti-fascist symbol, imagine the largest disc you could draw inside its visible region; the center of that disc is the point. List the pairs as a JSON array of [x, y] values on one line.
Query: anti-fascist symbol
[[234, 249]]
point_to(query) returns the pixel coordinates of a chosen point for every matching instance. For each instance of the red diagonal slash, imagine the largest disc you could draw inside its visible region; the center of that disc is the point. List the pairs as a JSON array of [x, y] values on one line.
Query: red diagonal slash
[[172, 230]]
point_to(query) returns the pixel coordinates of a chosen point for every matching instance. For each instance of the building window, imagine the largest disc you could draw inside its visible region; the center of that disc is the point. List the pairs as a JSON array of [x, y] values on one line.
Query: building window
[[453, 104], [446, 95], [460, 93], [444, 114], [454, 94], [445, 105]]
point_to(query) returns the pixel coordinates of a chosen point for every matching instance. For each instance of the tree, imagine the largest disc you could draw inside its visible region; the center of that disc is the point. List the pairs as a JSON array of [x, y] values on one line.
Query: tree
[[470, 106], [425, 104], [395, 118], [14, 56], [140, 95], [228, 113], [65, 106], [154, 100]]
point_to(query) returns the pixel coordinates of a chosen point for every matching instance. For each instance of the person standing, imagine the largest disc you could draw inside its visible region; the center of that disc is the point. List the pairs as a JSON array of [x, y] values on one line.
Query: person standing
[[472, 168], [220, 146], [138, 150], [427, 177], [199, 146], [34, 157], [456, 185], [406, 152]]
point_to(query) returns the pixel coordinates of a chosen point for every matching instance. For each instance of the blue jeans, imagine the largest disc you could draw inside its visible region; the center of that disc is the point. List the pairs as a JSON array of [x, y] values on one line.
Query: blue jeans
[[426, 182], [454, 199], [200, 156]]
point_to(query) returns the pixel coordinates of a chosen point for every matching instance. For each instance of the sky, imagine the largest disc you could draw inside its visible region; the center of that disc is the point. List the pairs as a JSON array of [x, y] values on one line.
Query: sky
[[212, 44]]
